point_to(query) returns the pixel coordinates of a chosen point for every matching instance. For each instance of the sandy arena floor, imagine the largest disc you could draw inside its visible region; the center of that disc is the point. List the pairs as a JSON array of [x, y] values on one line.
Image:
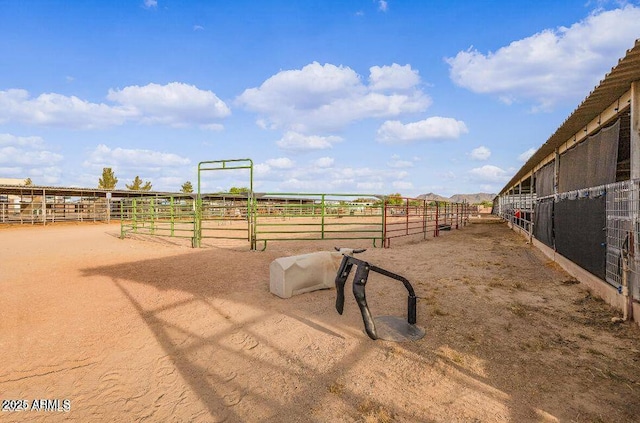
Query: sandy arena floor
[[151, 330]]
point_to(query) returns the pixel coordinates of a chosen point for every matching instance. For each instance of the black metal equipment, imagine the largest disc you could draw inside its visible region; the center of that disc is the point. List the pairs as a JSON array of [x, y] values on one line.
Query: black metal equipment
[[389, 327]]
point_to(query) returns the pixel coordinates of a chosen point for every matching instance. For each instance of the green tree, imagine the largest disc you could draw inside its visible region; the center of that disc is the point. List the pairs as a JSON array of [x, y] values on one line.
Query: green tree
[[187, 188], [28, 182], [137, 185], [108, 180], [395, 199], [238, 190]]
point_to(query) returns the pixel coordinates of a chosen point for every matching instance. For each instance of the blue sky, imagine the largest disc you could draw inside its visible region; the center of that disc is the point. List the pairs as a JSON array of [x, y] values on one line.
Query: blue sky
[[362, 96]]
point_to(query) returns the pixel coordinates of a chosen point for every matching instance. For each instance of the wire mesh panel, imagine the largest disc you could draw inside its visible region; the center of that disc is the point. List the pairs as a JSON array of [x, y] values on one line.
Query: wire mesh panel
[[519, 210], [621, 226], [622, 232]]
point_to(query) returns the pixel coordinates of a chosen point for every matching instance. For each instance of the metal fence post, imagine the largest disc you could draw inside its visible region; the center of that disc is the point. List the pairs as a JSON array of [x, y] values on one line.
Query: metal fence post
[[134, 215], [322, 219], [436, 232]]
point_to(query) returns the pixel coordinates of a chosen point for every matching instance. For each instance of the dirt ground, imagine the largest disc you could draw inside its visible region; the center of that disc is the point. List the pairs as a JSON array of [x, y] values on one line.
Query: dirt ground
[[148, 329]]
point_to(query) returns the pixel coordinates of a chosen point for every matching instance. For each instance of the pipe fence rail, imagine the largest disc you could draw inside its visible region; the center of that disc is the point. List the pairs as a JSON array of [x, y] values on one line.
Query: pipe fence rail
[[227, 218], [269, 217], [298, 216], [172, 216], [50, 209], [410, 216]]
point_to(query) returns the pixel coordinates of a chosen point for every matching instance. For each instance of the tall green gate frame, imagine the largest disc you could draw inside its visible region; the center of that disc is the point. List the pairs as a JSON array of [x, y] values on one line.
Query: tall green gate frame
[[216, 212], [282, 216]]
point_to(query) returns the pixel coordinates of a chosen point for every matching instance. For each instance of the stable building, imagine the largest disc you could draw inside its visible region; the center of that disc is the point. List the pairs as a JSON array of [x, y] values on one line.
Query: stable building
[[578, 197]]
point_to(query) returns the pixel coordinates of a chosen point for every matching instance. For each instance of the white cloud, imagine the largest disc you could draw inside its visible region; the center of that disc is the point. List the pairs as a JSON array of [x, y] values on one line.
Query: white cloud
[[433, 128], [383, 5], [26, 151], [526, 155], [150, 3], [554, 65], [11, 171], [174, 104], [47, 175], [29, 157], [59, 110], [322, 175], [402, 185], [295, 184], [371, 187], [398, 163], [480, 153], [295, 141], [328, 97], [394, 77], [448, 176], [166, 171], [12, 140], [261, 169], [198, 28], [127, 158], [26, 157], [490, 173], [280, 163], [324, 162], [215, 127]]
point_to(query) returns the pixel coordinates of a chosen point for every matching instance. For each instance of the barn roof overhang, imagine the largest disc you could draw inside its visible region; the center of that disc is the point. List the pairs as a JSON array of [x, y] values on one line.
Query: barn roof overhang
[[611, 88], [74, 191]]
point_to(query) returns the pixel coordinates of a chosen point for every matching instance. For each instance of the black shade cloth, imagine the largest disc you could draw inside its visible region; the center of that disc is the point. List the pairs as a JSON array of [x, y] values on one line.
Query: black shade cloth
[[543, 222], [579, 232], [592, 162], [544, 180]]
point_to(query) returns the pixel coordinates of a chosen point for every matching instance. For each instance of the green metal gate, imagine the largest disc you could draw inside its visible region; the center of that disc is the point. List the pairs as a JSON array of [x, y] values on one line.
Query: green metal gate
[[297, 216], [264, 217], [225, 216], [172, 216]]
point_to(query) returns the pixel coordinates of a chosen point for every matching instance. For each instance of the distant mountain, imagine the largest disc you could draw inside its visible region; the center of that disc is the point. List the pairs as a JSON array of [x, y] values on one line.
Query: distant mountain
[[459, 198], [432, 197]]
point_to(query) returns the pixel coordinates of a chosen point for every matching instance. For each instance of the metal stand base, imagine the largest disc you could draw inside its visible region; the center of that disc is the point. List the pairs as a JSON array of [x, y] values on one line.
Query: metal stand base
[[407, 330], [394, 328]]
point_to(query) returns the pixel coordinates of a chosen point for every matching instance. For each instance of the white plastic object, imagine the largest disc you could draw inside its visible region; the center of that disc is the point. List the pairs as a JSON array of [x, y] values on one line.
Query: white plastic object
[[296, 275]]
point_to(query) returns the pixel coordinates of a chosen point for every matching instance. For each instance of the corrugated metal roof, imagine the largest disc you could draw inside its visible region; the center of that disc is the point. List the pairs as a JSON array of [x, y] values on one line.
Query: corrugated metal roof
[[75, 191], [6, 189], [612, 87]]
